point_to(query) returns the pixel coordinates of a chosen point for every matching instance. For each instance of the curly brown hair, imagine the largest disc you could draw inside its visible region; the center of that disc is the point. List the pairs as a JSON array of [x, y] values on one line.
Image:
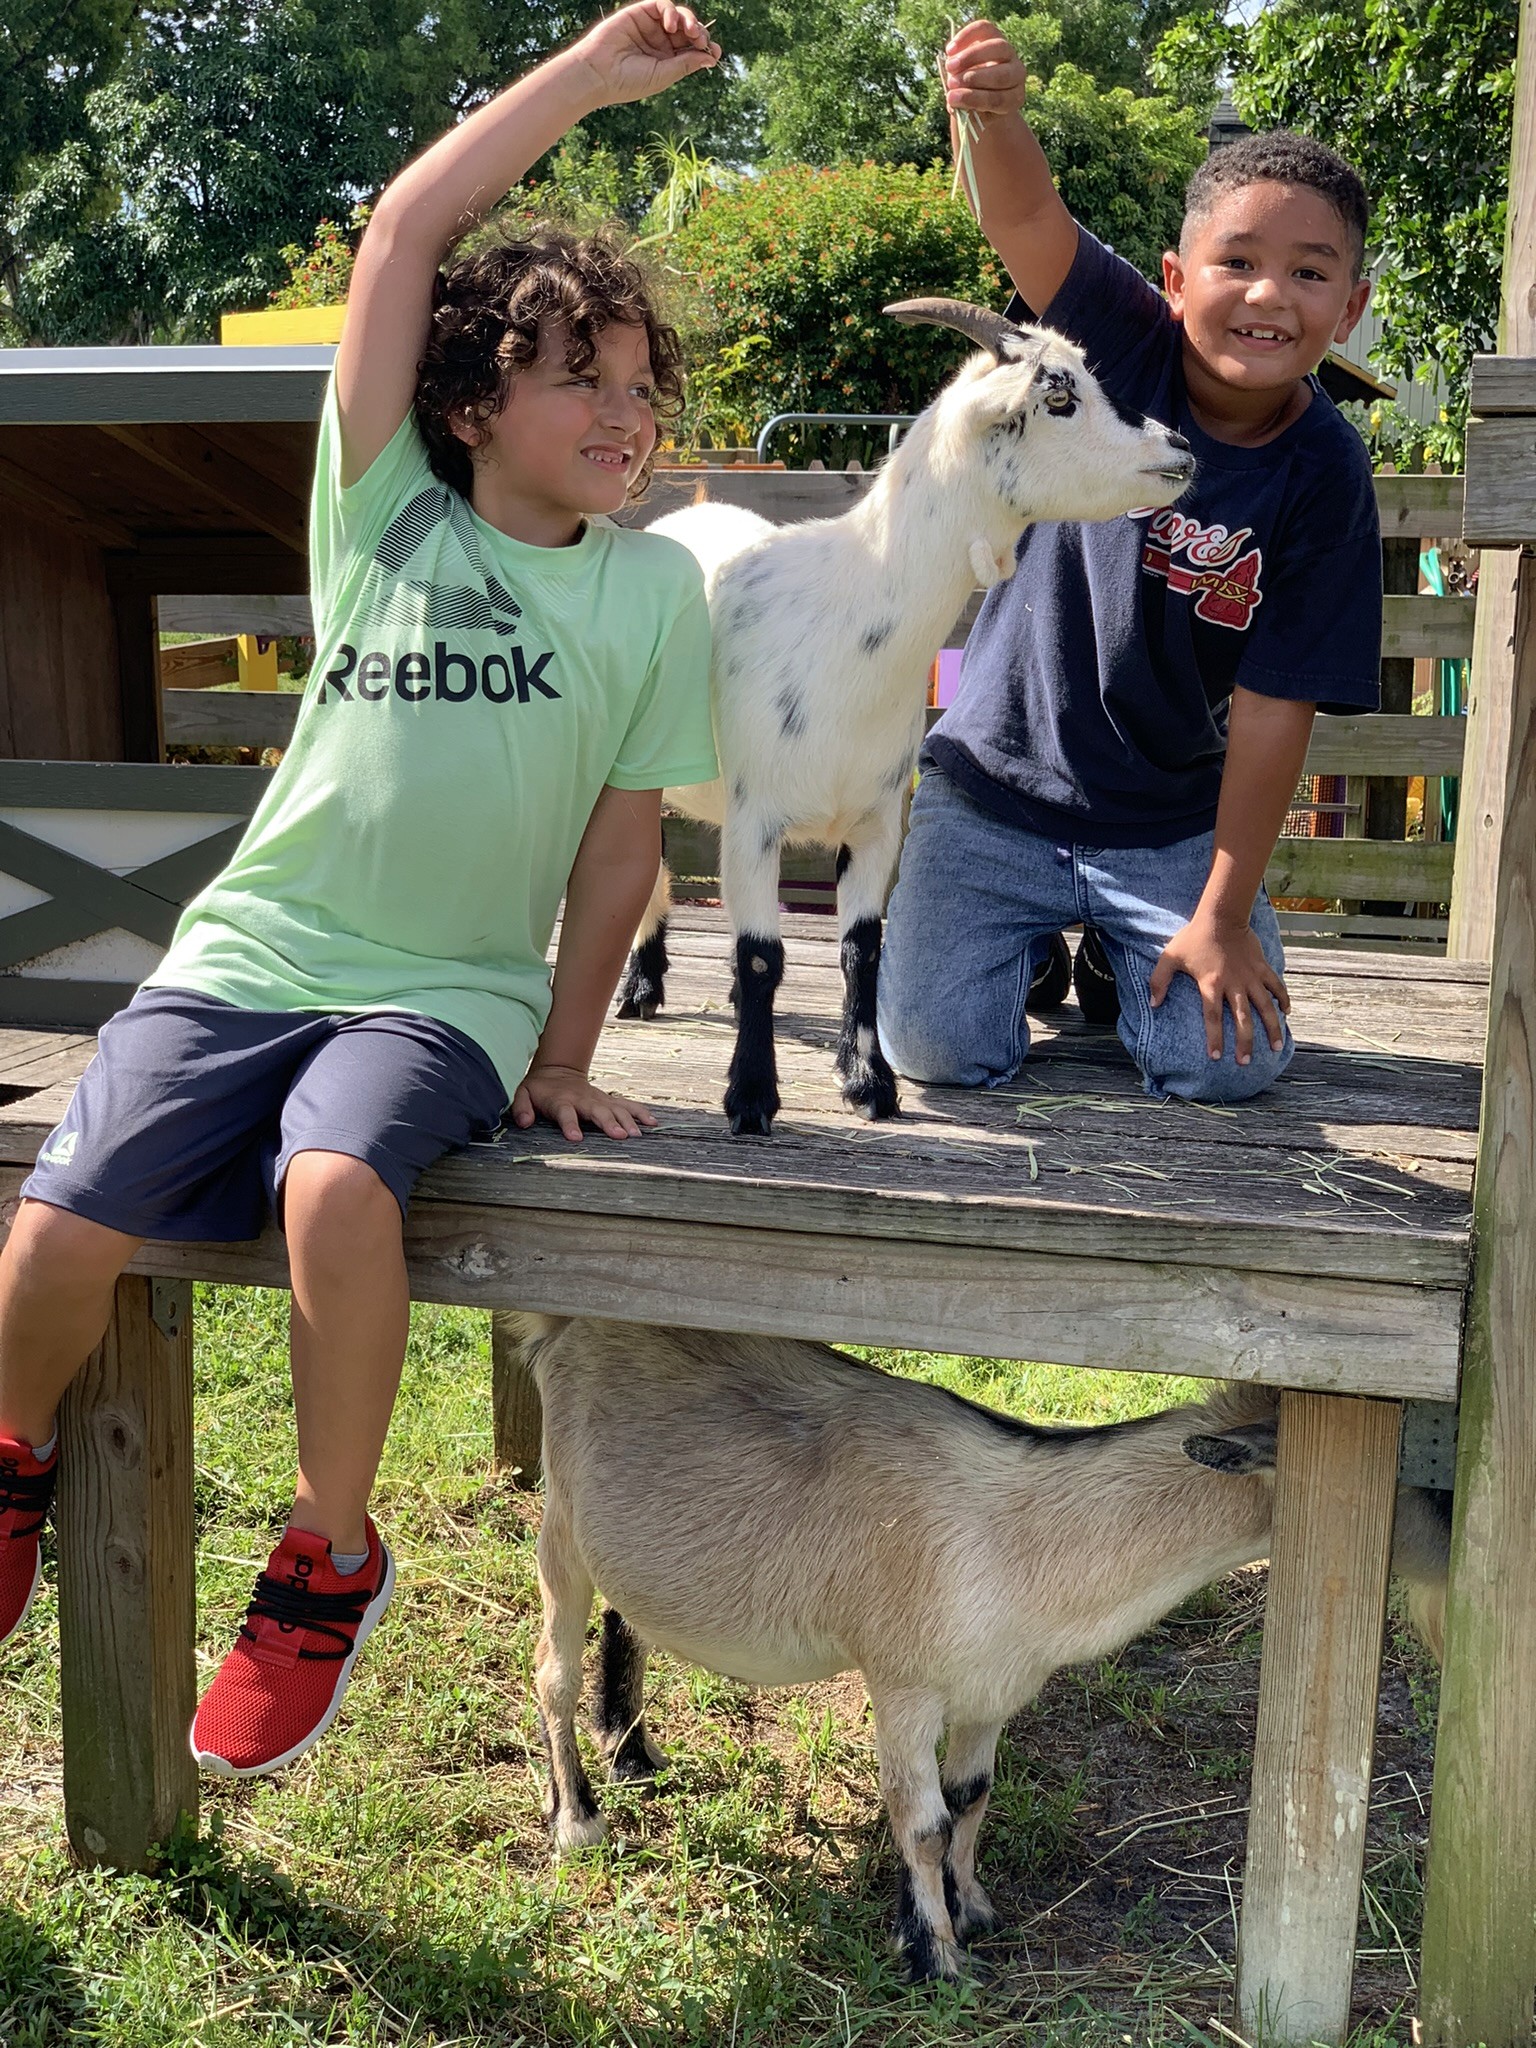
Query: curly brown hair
[[487, 308]]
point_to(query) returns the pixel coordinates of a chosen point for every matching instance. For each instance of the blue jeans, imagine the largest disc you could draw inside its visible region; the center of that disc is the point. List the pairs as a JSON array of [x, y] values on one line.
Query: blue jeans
[[977, 901]]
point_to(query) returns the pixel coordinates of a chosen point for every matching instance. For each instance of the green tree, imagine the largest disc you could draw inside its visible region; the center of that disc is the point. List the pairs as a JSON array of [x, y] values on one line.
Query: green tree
[[867, 87], [1418, 94], [233, 126]]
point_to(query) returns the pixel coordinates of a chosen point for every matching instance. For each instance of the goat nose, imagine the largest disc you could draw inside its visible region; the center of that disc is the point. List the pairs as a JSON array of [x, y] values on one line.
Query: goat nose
[[1178, 441]]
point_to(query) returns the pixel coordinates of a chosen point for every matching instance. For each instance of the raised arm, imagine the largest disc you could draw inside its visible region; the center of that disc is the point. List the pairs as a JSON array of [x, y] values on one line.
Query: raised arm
[[627, 56], [1022, 213]]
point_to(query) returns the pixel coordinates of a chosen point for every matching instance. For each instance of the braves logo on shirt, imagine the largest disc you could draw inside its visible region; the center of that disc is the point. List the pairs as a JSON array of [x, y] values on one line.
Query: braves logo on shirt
[[1206, 563]]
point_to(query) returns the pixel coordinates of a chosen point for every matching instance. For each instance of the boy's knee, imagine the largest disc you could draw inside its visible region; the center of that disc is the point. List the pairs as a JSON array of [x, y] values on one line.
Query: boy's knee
[[928, 1035], [1203, 1079], [341, 1197]]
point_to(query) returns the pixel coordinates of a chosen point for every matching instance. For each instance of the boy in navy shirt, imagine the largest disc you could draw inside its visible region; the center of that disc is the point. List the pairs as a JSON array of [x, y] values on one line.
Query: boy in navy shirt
[[1136, 701]]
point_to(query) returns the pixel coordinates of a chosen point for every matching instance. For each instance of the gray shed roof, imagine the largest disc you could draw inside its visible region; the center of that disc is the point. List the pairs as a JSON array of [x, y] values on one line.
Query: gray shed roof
[[101, 386]]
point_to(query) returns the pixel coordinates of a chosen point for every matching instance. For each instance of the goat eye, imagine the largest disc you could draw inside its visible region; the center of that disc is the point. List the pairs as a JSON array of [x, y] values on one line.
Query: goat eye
[[1057, 400]]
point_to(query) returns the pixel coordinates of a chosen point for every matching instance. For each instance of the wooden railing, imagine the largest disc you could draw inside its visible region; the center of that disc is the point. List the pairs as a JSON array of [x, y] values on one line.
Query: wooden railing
[[1374, 864]]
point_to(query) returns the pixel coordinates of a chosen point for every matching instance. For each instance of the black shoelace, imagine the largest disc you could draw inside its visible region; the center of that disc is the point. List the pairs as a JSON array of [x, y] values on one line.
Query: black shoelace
[[295, 1607], [24, 1491]]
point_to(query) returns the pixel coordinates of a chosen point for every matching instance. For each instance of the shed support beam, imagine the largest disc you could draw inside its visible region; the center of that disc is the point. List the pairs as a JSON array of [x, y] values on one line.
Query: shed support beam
[[1335, 1486], [189, 456]]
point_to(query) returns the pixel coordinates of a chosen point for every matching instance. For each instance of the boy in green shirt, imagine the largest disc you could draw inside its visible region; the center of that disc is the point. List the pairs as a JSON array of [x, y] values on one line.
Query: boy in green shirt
[[503, 685]]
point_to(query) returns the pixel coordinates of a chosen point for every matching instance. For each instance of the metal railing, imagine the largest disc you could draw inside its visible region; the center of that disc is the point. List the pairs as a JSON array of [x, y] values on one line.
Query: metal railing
[[895, 421]]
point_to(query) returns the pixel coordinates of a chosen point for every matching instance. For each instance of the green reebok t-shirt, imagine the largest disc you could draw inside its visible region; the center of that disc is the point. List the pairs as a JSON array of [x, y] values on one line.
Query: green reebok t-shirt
[[471, 696]]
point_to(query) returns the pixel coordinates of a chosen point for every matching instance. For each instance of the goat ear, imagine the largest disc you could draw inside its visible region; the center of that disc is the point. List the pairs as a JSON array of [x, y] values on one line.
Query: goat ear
[[980, 324], [1250, 1447]]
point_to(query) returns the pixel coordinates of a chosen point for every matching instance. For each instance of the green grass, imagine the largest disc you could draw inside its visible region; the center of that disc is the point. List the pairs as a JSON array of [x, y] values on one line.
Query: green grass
[[395, 1887]]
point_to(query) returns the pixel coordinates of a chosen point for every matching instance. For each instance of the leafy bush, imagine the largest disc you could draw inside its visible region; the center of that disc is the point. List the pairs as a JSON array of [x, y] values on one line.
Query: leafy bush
[[805, 259]]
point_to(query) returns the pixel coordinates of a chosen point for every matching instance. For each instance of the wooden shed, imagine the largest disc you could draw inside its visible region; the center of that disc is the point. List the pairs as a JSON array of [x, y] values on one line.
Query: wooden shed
[[128, 475]]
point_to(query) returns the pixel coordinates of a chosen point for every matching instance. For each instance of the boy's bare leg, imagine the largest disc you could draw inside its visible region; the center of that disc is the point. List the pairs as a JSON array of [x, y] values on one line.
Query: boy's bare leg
[[350, 1318], [57, 1276]]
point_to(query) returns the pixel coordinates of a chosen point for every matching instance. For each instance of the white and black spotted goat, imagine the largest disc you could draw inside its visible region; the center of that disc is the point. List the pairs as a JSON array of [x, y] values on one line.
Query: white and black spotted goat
[[824, 633], [781, 1512]]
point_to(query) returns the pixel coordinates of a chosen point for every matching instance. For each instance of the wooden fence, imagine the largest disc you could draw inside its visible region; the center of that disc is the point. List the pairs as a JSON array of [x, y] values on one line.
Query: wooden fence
[[95, 861]]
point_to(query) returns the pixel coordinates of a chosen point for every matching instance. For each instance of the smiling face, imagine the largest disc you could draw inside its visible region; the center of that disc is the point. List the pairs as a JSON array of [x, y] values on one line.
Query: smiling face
[[1264, 283], [570, 441]]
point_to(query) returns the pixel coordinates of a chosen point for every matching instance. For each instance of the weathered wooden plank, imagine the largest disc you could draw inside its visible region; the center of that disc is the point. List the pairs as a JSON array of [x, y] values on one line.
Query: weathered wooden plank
[[230, 718], [125, 1533], [1288, 1329], [1503, 383], [1426, 507], [782, 495], [1335, 1484], [1380, 744], [517, 1413], [227, 612], [1440, 627], [1480, 1901], [1480, 806], [1501, 481], [130, 786], [1403, 870]]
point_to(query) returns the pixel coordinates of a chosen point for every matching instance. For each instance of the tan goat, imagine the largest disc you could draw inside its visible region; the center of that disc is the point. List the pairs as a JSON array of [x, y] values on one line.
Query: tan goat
[[780, 1512]]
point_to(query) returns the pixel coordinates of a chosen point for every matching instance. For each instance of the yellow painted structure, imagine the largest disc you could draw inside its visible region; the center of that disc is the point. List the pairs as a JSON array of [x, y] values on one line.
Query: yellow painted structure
[[295, 326], [258, 662]]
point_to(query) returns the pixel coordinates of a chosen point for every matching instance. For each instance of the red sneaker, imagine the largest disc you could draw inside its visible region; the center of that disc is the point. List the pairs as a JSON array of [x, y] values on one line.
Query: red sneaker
[[26, 1488], [280, 1687]]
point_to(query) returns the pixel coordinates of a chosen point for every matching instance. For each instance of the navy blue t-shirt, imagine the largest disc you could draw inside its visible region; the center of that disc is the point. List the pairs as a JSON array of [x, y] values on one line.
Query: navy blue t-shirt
[[1093, 701]]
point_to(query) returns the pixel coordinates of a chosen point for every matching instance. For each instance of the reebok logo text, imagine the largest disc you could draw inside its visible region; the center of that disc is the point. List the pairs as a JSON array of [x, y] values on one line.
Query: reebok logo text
[[447, 675]]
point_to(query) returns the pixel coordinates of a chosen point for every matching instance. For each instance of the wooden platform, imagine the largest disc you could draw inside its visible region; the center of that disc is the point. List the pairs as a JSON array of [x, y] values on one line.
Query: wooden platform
[[1316, 1238]]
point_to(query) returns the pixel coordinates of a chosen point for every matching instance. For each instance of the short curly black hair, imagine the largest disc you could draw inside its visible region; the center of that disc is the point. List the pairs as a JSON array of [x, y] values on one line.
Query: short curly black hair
[[1282, 158], [487, 309]]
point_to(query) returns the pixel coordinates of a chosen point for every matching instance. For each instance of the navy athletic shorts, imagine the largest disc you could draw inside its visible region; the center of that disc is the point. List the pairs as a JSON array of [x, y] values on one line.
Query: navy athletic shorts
[[183, 1125]]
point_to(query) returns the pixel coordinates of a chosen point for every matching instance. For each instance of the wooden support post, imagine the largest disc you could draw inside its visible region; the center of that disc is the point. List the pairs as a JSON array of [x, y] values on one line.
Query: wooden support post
[[1480, 805], [1480, 1897], [1335, 1486], [1386, 797], [126, 1596], [517, 1414]]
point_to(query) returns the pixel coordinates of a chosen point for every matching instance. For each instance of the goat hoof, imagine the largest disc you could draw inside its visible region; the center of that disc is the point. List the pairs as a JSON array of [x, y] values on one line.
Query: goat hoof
[[932, 1961], [636, 1767], [571, 1832], [631, 1007], [751, 1123], [976, 1918], [870, 1091]]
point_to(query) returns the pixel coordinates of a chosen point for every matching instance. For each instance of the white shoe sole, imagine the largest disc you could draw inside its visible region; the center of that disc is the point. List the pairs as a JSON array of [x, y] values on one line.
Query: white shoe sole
[[220, 1767], [37, 1580]]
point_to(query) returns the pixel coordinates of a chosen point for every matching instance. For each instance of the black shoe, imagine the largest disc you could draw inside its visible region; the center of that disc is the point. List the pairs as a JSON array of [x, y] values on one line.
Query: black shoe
[[1051, 979], [1094, 980]]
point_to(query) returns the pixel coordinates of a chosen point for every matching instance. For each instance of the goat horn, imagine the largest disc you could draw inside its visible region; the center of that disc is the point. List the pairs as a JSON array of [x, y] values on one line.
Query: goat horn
[[987, 329]]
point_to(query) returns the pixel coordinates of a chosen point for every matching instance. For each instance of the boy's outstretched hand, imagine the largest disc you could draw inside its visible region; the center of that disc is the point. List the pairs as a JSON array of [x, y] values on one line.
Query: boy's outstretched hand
[[643, 49], [1230, 971], [565, 1096], [983, 73]]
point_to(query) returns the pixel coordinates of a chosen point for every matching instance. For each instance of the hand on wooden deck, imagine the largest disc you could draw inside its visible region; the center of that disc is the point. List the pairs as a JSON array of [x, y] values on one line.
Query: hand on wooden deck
[[567, 1097], [1230, 971]]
